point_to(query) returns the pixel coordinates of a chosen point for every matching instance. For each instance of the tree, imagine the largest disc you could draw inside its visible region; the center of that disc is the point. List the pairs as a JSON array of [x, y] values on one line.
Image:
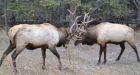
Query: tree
[[117, 7], [137, 5], [56, 10], [5, 14]]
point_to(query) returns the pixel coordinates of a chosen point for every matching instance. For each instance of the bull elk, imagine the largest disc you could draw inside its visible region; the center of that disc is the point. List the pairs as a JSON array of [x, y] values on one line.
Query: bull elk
[[44, 36], [105, 33]]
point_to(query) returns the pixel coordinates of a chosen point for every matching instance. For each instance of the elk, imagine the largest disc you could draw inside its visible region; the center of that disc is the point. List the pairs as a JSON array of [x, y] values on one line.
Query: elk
[[44, 36], [103, 34]]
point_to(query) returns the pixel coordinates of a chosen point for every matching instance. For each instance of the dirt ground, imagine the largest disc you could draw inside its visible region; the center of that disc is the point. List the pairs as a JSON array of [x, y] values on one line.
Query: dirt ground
[[79, 60]]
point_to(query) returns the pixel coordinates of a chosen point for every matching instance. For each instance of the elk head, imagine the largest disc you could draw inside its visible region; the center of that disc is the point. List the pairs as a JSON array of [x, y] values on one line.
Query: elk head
[[82, 29], [73, 25]]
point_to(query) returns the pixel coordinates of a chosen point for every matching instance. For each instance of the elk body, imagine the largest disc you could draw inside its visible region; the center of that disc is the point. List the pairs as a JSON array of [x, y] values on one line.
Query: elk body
[[44, 36], [105, 33]]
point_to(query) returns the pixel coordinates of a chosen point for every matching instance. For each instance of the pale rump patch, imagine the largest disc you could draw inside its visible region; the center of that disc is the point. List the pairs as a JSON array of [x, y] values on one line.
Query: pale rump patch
[[12, 31]]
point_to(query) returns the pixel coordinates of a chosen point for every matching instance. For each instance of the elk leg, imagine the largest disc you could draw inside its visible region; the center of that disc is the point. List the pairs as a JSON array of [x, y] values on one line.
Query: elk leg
[[122, 50], [100, 54], [54, 51], [8, 50], [43, 50], [135, 50], [104, 49], [14, 56]]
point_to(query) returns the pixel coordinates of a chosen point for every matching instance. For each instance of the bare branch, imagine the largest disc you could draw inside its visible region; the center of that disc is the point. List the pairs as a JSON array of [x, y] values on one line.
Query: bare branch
[[75, 9], [70, 12], [88, 22], [73, 18], [74, 23], [69, 18]]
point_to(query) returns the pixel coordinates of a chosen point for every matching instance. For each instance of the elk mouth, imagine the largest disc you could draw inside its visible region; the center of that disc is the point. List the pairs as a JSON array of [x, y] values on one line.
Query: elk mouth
[[65, 46]]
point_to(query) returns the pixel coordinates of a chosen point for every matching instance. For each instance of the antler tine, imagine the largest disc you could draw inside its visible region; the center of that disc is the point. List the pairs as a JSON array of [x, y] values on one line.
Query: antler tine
[[87, 19], [85, 16], [90, 20]]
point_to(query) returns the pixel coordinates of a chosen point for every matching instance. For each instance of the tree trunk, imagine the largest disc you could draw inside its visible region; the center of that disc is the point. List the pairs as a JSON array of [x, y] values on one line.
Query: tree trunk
[[139, 12], [62, 10], [5, 14], [73, 8]]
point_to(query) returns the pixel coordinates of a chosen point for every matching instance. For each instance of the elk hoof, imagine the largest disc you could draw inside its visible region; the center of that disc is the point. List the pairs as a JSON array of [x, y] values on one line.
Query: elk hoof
[[138, 60], [0, 63], [117, 59], [43, 67], [104, 62], [15, 71], [98, 63]]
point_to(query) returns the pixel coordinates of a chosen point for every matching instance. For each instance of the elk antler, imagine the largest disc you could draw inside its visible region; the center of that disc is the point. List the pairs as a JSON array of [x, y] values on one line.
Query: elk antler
[[85, 16], [87, 19]]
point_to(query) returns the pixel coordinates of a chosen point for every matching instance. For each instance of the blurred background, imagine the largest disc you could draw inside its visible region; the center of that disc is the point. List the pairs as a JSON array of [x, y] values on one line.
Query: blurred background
[[55, 11]]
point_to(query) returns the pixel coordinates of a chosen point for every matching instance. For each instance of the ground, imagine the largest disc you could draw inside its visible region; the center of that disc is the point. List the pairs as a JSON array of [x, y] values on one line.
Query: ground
[[79, 60]]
